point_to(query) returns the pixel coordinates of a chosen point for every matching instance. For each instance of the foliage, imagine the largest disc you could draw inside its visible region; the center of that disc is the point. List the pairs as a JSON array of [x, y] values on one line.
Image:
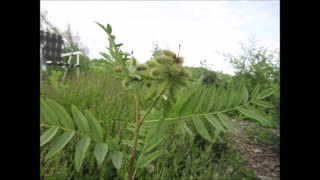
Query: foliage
[[257, 65], [210, 78], [157, 51], [162, 105], [265, 136]]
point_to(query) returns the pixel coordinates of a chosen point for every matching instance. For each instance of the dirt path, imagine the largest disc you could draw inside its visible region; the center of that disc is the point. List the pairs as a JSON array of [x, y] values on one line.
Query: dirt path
[[261, 158]]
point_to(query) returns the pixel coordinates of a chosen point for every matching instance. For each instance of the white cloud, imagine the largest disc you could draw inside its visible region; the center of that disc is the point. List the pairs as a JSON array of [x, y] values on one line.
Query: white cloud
[[202, 28]]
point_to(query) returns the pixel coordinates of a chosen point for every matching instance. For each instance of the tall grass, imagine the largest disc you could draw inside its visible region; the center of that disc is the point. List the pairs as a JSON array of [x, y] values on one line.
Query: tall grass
[[104, 98], [184, 157]]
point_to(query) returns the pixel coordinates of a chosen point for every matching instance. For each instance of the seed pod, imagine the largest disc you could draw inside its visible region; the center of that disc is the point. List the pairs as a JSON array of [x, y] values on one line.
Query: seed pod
[[141, 67], [179, 60], [150, 168], [133, 62], [169, 53], [175, 69], [151, 63], [145, 75], [117, 69], [160, 71], [164, 60], [186, 73]]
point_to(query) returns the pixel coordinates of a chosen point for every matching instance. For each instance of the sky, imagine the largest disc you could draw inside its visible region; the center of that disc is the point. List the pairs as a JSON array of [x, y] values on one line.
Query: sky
[[204, 29]]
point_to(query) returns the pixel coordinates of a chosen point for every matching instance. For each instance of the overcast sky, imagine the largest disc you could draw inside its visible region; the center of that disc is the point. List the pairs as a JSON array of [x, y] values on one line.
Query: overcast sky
[[203, 28]]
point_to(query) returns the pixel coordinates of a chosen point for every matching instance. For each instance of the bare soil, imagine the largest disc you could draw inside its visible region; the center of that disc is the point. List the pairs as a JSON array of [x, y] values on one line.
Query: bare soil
[[262, 158]]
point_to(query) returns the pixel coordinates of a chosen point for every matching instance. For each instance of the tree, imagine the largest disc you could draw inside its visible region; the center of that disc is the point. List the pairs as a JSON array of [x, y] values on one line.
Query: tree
[[157, 51], [257, 65]]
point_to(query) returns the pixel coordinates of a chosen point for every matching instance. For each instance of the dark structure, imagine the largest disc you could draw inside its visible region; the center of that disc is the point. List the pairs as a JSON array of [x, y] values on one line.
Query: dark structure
[[51, 46]]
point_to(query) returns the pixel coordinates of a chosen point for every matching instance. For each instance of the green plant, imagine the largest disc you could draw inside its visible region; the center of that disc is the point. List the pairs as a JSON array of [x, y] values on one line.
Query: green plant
[[259, 65], [260, 135], [210, 78], [154, 86], [54, 79]]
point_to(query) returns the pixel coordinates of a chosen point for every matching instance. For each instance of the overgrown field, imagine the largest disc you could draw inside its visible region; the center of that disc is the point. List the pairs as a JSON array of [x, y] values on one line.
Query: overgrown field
[[122, 119]]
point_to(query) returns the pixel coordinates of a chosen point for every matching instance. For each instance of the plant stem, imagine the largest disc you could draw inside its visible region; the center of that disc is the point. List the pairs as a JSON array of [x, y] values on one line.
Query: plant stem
[[201, 114], [144, 117], [135, 139], [139, 122]]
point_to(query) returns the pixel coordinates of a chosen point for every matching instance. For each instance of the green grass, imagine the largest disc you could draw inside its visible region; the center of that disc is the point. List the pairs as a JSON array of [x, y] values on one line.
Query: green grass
[[184, 156]]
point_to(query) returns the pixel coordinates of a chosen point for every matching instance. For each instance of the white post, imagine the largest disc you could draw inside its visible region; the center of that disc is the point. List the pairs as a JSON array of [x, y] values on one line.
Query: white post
[[78, 53], [69, 60], [65, 73], [78, 66]]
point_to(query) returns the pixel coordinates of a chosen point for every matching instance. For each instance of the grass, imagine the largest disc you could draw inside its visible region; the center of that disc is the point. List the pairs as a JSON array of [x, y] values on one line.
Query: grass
[[184, 156]]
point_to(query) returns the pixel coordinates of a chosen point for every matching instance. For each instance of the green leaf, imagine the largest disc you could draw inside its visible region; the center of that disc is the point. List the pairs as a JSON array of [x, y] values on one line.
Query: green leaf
[[102, 27], [167, 109], [254, 115], [219, 99], [187, 105], [160, 125], [119, 45], [48, 135], [137, 76], [80, 120], [100, 151], [197, 121], [95, 126], [116, 159], [48, 114], [59, 143], [126, 156], [142, 132], [81, 149], [211, 99], [267, 92], [222, 100], [183, 126], [239, 97], [256, 91], [121, 77], [63, 115], [109, 29], [206, 94], [188, 129], [152, 143], [113, 143], [245, 93], [132, 69], [227, 123], [201, 100], [146, 160], [229, 95], [215, 122], [262, 103], [130, 144], [105, 55]]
